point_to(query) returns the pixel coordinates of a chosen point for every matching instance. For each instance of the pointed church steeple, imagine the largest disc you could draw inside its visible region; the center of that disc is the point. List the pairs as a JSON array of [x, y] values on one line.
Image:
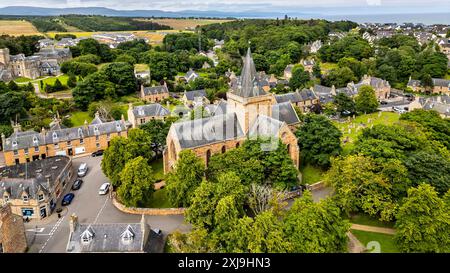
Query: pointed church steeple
[[248, 85]]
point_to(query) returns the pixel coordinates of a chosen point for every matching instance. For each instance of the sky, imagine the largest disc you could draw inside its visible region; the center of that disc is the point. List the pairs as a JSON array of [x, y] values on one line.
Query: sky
[[306, 6]]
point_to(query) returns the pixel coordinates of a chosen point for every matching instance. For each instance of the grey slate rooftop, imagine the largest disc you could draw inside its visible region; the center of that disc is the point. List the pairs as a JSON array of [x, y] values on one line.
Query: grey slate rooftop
[[199, 132], [160, 89], [285, 112], [191, 95], [265, 126], [154, 109]]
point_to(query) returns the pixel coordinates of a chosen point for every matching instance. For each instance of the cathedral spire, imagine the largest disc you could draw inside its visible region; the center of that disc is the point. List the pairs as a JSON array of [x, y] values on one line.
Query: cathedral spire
[[248, 86]]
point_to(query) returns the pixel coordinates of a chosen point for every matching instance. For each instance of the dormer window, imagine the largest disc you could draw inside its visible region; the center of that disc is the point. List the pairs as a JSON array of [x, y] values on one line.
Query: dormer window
[[87, 236], [6, 198], [35, 140], [14, 143], [54, 136], [95, 130], [80, 133], [118, 126], [25, 198], [128, 235]]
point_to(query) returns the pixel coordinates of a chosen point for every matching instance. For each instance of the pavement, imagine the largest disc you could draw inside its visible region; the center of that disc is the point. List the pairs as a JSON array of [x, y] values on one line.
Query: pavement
[[51, 234]]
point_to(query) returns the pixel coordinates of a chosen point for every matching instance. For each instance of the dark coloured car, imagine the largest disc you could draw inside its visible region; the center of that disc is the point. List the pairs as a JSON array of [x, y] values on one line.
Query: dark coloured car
[[97, 153], [67, 199], [384, 102], [77, 184]]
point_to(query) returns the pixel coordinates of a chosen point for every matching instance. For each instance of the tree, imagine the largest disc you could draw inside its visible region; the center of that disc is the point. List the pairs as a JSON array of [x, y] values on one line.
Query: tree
[[72, 81], [11, 106], [163, 65], [185, 178], [344, 104], [114, 159], [122, 76], [339, 77], [299, 78], [423, 222], [360, 186], [316, 227], [317, 71], [319, 140], [366, 100], [263, 197], [137, 182]]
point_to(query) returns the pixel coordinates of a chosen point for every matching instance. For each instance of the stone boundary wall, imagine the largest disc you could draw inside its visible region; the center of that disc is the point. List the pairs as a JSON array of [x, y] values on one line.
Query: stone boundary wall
[[146, 211]]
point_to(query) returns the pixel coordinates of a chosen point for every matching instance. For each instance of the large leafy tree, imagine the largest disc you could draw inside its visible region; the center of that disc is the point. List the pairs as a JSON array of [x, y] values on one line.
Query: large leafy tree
[[137, 182], [114, 159], [299, 79], [187, 176], [316, 227], [319, 140], [366, 100], [423, 222], [339, 77], [344, 104]]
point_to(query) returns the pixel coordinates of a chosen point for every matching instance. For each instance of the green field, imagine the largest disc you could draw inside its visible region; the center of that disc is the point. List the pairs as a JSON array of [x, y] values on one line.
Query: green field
[[364, 219], [325, 67], [159, 199], [311, 174], [386, 118], [387, 242], [22, 80], [78, 118], [51, 81]]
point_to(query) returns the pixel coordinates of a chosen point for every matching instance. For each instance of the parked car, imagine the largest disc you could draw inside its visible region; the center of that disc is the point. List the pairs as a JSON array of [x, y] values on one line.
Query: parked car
[[77, 184], [97, 153], [104, 189], [383, 102], [82, 170], [398, 110], [67, 199]]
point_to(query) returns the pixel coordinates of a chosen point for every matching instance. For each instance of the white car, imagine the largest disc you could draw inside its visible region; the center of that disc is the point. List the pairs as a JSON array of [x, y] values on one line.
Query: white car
[[82, 170], [104, 189]]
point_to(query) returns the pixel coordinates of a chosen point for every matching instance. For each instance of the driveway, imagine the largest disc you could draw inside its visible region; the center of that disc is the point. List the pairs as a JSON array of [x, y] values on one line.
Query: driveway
[[51, 235]]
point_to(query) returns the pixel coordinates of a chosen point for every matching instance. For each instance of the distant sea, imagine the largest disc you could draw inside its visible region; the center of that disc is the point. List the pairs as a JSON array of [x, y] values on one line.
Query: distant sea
[[425, 18]]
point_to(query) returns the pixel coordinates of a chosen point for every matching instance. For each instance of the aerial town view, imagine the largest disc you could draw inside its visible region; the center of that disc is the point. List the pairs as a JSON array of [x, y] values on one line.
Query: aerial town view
[[224, 127]]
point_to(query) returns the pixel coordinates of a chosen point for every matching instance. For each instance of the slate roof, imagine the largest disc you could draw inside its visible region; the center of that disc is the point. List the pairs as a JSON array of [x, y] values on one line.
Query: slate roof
[[191, 75], [292, 97], [285, 112], [154, 109], [217, 109], [155, 90], [441, 108], [199, 132], [31, 177], [248, 84], [191, 95], [441, 82], [108, 238], [265, 126], [21, 140]]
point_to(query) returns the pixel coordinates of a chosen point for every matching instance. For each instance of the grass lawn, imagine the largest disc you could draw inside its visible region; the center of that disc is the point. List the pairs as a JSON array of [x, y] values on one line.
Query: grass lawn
[[386, 118], [311, 174], [364, 219], [158, 169], [386, 241], [78, 118], [141, 67], [51, 81], [22, 80], [159, 199], [327, 66]]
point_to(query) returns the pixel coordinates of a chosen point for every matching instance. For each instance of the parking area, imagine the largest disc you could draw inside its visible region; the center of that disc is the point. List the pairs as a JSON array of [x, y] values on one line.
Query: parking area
[[51, 234], [397, 100]]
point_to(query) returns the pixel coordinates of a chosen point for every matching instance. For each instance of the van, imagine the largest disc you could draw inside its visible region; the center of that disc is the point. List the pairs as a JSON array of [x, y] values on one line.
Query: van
[[82, 170]]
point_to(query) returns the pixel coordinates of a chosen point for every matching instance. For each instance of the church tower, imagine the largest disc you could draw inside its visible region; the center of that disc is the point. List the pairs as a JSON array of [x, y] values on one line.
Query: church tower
[[247, 98]]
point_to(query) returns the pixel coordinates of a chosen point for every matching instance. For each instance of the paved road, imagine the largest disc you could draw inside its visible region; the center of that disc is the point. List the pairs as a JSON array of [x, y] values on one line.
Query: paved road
[[52, 234]]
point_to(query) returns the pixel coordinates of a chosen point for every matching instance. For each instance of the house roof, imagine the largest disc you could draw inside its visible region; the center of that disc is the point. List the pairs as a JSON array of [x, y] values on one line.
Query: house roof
[[149, 110], [21, 140], [441, 82], [265, 126], [217, 109], [109, 238], [199, 132], [191, 95], [160, 89], [285, 112]]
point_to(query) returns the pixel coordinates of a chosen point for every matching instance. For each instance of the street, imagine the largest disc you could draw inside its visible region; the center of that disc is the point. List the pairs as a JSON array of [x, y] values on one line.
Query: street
[[50, 235]]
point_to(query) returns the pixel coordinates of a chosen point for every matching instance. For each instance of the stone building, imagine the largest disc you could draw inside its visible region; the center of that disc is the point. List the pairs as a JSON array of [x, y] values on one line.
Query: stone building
[[12, 231], [32, 189], [194, 98], [46, 62], [154, 93], [250, 112], [22, 147], [303, 99], [288, 71], [144, 113], [440, 86], [112, 238], [382, 87]]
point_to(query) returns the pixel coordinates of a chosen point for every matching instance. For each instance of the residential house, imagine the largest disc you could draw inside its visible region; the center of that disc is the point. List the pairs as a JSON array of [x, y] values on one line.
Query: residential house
[[303, 99], [154, 93], [112, 238], [440, 86], [32, 189], [194, 98], [141, 114], [191, 75], [288, 71]]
